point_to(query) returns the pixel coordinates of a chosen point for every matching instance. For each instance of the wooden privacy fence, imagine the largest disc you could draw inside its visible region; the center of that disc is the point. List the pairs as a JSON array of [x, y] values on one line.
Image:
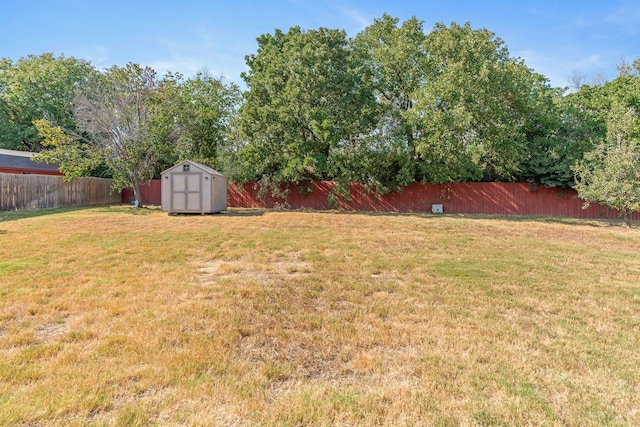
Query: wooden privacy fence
[[22, 192], [491, 198]]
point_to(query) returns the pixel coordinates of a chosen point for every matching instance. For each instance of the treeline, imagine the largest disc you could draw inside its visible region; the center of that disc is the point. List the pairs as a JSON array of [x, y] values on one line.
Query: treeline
[[391, 106]]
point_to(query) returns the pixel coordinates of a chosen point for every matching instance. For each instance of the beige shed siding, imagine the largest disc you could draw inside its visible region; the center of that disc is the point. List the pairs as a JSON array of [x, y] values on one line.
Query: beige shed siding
[[190, 187]]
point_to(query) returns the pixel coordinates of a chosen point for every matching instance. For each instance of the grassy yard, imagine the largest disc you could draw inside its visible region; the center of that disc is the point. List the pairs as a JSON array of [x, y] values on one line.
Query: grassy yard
[[133, 317]]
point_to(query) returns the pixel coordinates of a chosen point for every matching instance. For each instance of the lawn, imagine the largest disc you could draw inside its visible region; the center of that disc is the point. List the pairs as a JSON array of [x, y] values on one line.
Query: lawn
[[115, 315]]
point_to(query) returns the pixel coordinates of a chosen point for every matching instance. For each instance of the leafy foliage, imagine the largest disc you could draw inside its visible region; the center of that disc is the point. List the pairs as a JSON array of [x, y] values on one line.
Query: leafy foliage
[[394, 59], [135, 125], [114, 113], [558, 134], [392, 107], [195, 115], [610, 173], [305, 99], [74, 157], [37, 87], [472, 110]]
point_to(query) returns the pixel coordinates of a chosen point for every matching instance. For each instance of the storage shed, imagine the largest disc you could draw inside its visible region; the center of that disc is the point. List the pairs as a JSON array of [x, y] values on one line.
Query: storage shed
[[191, 187]]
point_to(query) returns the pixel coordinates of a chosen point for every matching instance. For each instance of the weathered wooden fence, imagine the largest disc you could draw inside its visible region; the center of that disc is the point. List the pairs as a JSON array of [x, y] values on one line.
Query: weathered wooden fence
[[22, 192], [493, 198]]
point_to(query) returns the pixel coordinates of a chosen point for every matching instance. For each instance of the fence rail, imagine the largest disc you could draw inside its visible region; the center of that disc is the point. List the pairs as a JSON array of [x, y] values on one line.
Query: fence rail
[[22, 192]]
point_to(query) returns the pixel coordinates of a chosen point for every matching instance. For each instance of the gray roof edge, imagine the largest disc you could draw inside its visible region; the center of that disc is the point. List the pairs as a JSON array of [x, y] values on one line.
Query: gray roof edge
[[199, 165], [16, 153], [23, 160]]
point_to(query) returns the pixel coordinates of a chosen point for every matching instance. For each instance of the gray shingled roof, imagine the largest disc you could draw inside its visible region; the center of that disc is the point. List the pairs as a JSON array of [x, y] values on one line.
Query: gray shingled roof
[[22, 160]]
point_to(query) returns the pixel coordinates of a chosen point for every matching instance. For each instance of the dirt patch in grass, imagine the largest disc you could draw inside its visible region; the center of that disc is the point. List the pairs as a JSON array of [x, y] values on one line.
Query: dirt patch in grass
[[283, 267], [51, 331]]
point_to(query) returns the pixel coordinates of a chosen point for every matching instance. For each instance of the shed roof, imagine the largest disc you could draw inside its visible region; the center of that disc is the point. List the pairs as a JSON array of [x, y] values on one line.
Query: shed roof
[[196, 164], [22, 160]]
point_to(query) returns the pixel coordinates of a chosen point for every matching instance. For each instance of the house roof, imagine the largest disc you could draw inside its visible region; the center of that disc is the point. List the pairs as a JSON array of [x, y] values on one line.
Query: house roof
[[205, 168], [22, 160]]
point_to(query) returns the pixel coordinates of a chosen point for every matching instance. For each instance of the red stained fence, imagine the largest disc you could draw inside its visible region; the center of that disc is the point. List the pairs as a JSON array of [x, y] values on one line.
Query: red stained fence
[[491, 198], [150, 192]]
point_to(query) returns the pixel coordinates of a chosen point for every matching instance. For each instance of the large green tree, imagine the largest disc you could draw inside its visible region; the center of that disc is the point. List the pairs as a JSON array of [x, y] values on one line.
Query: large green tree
[[37, 87], [396, 105], [304, 99], [135, 125], [557, 135], [113, 113], [560, 135], [610, 173], [195, 116], [393, 57], [472, 107]]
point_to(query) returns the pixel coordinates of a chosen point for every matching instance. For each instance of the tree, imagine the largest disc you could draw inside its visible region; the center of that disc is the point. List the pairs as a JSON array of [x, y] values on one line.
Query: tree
[[197, 114], [558, 133], [597, 100], [76, 157], [471, 110], [393, 58], [624, 68], [304, 99], [113, 115], [36, 87], [579, 124], [610, 174]]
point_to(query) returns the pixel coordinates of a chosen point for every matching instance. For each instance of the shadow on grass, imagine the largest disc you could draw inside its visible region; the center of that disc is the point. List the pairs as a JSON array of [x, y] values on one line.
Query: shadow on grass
[[122, 209], [593, 222], [125, 208], [253, 212], [15, 215], [34, 213], [245, 212], [232, 212]]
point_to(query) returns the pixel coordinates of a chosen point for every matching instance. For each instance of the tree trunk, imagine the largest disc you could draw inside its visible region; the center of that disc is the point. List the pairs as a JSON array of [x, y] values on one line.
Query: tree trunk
[[137, 194], [411, 144], [627, 217]]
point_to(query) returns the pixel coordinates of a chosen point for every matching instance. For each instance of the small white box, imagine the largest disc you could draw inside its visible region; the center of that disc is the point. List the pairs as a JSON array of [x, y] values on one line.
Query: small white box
[[437, 208]]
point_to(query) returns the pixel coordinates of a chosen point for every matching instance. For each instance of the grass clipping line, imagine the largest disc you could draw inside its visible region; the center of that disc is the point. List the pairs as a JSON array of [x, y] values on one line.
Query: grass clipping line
[[133, 317]]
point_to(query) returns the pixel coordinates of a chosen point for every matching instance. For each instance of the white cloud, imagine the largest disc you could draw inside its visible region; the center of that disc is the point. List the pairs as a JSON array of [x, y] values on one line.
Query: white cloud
[[197, 50], [97, 55], [557, 68], [354, 15]]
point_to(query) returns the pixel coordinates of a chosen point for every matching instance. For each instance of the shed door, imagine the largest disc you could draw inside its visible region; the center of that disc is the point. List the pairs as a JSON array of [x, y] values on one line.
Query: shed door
[[186, 194]]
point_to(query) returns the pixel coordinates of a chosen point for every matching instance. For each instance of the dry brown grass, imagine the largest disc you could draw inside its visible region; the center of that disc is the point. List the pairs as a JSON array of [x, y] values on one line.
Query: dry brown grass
[[132, 317]]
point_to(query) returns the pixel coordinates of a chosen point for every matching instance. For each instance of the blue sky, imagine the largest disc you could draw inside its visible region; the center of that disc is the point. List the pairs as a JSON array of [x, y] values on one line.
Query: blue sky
[[555, 38]]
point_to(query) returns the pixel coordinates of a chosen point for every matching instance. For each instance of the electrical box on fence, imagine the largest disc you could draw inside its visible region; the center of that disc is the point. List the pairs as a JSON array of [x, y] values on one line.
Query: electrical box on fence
[[437, 209]]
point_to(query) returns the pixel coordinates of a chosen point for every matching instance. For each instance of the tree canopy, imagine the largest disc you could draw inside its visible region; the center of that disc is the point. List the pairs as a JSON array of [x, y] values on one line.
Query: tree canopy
[[391, 106], [305, 98], [473, 107], [36, 87], [133, 123], [610, 173]]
